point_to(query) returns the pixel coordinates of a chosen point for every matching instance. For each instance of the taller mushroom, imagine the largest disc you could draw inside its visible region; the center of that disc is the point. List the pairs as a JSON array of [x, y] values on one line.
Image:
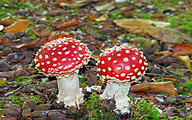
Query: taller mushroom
[[119, 67], [63, 58]]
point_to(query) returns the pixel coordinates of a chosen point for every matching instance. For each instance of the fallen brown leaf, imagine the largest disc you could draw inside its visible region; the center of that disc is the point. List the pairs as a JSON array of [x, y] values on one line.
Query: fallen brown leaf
[[167, 34], [59, 36], [154, 87], [138, 25], [107, 6], [181, 47], [64, 24], [42, 33], [6, 21], [18, 26], [182, 53]]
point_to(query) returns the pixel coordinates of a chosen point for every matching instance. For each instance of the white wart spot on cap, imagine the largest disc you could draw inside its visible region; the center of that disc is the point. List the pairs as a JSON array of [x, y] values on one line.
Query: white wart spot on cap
[[142, 68], [67, 52], [123, 74], [139, 73], [99, 69], [133, 58], [127, 51], [118, 54], [127, 67], [109, 69], [60, 53], [115, 61], [64, 48], [118, 68], [54, 59], [64, 59], [46, 56], [125, 59], [133, 77], [136, 69], [40, 56]]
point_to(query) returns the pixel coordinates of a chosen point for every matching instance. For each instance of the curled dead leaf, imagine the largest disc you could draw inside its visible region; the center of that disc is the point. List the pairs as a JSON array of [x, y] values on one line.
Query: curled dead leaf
[[182, 53]]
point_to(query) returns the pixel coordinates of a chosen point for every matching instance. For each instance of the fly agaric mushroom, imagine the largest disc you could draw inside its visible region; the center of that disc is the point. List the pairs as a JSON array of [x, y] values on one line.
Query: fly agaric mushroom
[[63, 58], [119, 67]]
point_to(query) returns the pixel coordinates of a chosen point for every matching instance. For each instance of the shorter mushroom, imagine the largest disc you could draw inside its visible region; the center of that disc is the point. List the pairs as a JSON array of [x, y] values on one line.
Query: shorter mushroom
[[118, 67], [63, 58]]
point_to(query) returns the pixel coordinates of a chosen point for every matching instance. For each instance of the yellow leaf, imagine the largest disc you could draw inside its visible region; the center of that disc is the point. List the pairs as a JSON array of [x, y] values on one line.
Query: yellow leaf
[[2, 81], [190, 100], [102, 18], [186, 61]]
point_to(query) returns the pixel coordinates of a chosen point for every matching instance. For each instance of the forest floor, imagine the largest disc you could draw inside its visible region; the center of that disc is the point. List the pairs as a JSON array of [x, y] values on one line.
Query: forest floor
[[161, 29]]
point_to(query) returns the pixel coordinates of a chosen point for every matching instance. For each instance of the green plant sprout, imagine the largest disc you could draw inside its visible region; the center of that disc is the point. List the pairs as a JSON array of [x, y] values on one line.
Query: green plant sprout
[[186, 88], [146, 111], [97, 109], [17, 100], [36, 99], [26, 80], [82, 81]]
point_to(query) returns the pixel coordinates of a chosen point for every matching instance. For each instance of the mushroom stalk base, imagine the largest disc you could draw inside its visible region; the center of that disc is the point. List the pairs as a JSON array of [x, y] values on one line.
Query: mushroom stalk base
[[69, 91], [119, 93]]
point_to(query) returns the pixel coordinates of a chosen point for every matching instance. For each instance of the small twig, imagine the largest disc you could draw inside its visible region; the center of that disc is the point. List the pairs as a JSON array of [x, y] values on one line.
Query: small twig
[[10, 93]]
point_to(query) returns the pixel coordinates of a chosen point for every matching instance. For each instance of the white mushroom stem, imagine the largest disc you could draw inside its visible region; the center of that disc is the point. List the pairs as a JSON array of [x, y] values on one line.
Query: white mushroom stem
[[69, 91], [119, 93]]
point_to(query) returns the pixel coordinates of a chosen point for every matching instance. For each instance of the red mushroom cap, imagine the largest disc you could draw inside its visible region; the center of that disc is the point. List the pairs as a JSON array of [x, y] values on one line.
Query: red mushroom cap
[[62, 56], [121, 65]]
